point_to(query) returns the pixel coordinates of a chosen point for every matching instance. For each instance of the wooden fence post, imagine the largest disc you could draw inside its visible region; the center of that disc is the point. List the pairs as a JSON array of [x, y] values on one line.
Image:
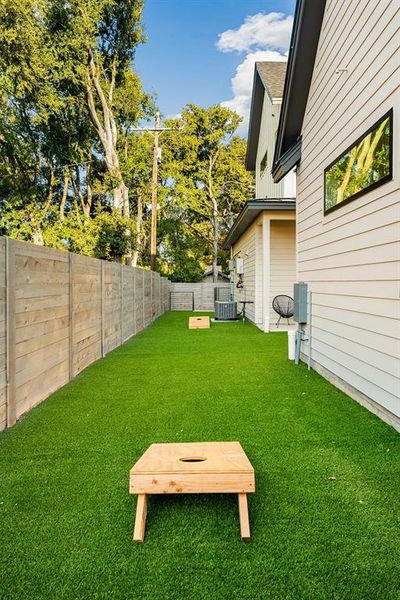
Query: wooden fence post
[[157, 294], [160, 311], [134, 300], [103, 353], [121, 292], [11, 415], [143, 303], [151, 295], [71, 316]]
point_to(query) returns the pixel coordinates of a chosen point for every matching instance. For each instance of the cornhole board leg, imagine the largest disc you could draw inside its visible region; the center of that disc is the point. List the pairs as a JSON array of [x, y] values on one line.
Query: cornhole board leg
[[244, 518], [140, 521]]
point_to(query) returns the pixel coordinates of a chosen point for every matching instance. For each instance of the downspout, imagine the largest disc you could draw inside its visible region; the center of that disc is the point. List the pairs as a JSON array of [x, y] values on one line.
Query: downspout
[[299, 335], [231, 278]]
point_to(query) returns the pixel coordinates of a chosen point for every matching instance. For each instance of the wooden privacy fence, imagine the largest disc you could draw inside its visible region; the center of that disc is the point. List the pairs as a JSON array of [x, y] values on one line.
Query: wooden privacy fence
[[59, 312], [197, 296]]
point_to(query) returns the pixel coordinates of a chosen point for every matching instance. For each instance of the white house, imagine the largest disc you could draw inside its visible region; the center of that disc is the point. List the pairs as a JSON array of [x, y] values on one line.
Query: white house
[[208, 275], [263, 235], [339, 125]]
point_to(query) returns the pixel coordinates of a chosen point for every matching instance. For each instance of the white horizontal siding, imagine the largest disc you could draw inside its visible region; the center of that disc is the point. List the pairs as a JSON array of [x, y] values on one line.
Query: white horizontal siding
[[387, 233], [265, 187], [363, 211], [357, 350], [351, 257], [355, 331], [245, 247], [341, 369], [258, 313], [283, 262], [341, 92]]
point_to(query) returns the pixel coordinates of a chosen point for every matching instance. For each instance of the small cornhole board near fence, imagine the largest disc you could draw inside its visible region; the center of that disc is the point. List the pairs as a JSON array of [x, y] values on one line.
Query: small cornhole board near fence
[[199, 322], [59, 312]]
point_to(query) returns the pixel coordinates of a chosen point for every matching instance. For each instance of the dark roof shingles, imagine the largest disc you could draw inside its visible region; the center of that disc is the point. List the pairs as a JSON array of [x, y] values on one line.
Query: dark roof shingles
[[272, 75]]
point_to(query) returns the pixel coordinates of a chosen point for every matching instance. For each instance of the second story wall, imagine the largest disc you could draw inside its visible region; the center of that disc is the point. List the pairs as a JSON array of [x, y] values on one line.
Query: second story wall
[[350, 257], [265, 187]]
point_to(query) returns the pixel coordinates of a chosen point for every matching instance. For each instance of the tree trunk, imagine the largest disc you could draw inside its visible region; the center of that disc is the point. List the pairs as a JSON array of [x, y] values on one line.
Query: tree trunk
[[50, 192], [121, 199], [89, 194], [139, 223], [64, 196], [126, 213], [104, 122], [76, 183], [37, 237]]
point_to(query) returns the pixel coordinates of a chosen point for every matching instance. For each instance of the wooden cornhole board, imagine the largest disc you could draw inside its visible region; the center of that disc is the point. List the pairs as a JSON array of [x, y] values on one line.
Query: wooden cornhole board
[[192, 468], [199, 322]]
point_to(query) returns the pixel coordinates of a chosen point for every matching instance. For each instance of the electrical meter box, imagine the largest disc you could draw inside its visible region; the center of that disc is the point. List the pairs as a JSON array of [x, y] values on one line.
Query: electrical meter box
[[300, 302], [232, 263], [239, 266]]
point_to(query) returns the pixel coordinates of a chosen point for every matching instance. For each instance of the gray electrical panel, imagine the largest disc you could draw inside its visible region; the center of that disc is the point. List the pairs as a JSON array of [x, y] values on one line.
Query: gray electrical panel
[[300, 302], [239, 266]]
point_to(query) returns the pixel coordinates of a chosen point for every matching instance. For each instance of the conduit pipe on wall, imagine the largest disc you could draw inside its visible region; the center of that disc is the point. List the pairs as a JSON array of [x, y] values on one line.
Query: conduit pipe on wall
[[300, 331], [299, 335], [231, 277]]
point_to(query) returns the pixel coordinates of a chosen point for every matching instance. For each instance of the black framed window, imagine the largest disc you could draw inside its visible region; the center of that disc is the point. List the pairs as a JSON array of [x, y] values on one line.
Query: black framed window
[[264, 162], [365, 165]]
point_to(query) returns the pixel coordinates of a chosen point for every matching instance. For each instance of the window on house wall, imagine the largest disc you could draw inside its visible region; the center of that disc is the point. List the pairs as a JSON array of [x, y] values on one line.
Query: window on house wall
[[362, 167], [264, 162]]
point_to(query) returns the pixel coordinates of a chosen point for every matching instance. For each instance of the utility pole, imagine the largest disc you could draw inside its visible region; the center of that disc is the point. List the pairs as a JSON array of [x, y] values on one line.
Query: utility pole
[[156, 131], [154, 190]]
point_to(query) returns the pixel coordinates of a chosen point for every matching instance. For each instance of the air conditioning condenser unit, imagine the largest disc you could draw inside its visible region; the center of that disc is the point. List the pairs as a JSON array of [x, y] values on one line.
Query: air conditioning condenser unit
[[225, 311]]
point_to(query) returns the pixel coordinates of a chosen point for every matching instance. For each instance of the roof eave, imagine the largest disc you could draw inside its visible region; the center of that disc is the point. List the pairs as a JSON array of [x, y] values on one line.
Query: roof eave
[[252, 209], [287, 162], [257, 100], [303, 48]]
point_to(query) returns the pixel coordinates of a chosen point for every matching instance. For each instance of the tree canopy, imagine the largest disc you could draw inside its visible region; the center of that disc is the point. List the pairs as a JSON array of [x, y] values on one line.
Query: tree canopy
[[74, 173], [208, 181]]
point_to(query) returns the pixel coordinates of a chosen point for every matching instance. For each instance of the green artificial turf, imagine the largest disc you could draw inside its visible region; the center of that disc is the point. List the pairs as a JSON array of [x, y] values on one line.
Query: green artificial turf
[[324, 517]]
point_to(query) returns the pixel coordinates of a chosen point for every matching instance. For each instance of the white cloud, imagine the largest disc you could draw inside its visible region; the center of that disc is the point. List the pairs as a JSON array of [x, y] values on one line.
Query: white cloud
[[242, 84], [261, 37], [271, 30]]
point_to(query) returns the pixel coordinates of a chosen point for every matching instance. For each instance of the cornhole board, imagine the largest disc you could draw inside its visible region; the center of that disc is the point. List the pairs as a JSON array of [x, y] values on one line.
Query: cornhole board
[[192, 468], [199, 322]]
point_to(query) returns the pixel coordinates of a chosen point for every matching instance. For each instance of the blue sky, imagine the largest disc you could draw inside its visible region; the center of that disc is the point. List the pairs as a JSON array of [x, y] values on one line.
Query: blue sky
[[182, 62]]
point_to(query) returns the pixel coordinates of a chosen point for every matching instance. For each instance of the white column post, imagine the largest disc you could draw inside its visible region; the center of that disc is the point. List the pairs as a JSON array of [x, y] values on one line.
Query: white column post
[[266, 242]]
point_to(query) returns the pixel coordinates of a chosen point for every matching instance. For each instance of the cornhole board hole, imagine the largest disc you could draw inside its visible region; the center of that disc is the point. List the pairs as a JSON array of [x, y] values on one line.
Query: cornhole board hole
[[199, 322], [192, 468]]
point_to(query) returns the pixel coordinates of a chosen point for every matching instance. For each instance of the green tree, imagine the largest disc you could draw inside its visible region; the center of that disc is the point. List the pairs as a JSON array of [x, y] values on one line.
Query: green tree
[[137, 169], [100, 38], [181, 251], [68, 99], [205, 162]]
